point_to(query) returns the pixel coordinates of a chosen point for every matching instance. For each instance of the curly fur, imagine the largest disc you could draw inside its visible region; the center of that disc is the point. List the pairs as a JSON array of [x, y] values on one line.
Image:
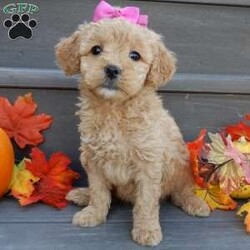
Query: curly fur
[[130, 145]]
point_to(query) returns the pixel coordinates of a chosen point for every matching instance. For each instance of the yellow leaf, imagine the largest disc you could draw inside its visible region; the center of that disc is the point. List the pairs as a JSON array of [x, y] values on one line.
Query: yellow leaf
[[22, 181], [245, 209], [242, 145], [216, 197], [241, 193]]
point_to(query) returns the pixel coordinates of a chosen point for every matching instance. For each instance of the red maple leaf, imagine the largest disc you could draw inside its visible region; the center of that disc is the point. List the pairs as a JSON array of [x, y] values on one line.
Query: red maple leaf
[[19, 121], [56, 178], [239, 129]]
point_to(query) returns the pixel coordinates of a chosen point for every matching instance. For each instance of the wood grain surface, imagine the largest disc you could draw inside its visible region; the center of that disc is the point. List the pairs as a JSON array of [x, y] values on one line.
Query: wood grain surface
[[39, 227], [206, 39], [243, 3], [185, 83]]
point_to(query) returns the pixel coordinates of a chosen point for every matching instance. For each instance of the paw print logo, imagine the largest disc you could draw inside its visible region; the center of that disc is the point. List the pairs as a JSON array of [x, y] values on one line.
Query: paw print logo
[[20, 26]]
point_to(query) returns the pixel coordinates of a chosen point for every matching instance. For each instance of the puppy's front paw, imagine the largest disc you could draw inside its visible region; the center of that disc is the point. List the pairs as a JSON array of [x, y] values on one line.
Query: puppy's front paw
[[88, 217], [80, 196], [197, 207], [147, 237]]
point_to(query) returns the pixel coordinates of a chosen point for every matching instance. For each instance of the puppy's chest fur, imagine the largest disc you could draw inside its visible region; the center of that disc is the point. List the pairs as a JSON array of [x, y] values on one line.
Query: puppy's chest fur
[[104, 136], [114, 140]]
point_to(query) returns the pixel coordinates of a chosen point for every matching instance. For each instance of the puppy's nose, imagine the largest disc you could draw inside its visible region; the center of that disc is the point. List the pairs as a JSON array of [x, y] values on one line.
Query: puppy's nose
[[112, 71]]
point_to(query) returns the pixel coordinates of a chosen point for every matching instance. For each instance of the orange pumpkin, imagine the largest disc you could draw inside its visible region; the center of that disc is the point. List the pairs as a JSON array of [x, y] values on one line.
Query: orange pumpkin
[[6, 162]]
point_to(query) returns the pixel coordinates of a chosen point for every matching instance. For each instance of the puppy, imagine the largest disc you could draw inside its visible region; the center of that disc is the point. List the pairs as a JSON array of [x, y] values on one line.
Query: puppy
[[130, 145]]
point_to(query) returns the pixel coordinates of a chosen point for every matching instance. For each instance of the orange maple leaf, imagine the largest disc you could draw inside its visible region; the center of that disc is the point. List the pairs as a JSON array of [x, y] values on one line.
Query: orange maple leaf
[[55, 178], [19, 121], [195, 148], [239, 129], [247, 117]]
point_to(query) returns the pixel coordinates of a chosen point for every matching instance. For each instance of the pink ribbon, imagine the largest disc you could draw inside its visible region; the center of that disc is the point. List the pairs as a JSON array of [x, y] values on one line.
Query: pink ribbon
[[132, 14]]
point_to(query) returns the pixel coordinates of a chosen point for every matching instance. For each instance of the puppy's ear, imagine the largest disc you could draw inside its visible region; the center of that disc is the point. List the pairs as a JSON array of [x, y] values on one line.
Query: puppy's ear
[[68, 51], [163, 66], [67, 54]]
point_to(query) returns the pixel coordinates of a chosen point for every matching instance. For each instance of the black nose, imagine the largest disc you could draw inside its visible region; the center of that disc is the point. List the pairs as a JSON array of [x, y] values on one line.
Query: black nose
[[112, 71]]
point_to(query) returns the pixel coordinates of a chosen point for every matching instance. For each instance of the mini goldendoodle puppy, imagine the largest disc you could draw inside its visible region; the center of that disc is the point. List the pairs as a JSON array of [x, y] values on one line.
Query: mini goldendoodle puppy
[[130, 145]]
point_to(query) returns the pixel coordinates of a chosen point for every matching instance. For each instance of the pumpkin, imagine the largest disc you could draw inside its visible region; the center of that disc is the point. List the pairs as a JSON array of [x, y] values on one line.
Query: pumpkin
[[6, 162]]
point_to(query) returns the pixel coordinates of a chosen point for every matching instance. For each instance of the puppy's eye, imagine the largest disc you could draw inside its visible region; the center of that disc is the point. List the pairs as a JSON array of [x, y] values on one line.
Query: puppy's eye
[[134, 55], [96, 50]]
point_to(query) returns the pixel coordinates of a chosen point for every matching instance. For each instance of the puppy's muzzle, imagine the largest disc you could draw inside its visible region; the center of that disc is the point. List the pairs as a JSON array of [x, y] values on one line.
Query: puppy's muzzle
[[112, 72]]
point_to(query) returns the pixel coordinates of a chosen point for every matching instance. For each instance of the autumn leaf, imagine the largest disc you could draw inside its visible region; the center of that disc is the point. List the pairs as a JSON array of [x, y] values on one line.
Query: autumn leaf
[[22, 183], [242, 193], [55, 178], [239, 129], [245, 209], [247, 117], [242, 145], [208, 172], [216, 197], [230, 177], [218, 148], [239, 158], [195, 149], [230, 173], [20, 122]]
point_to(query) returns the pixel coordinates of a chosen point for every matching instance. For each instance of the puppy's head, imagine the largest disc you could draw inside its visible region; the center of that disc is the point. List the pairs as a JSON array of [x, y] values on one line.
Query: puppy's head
[[115, 58]]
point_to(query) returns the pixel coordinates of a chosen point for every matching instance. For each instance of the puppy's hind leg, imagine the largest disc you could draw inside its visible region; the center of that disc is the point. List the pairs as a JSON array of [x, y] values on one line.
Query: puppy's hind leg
[[183, 195], [79, 196], [191, 204]]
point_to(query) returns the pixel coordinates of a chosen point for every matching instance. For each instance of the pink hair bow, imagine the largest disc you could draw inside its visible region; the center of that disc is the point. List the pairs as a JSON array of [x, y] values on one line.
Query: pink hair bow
[[132, 14]]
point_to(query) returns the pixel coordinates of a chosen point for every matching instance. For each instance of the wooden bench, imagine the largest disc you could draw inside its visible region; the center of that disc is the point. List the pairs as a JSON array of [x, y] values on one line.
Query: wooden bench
[[211, 89]]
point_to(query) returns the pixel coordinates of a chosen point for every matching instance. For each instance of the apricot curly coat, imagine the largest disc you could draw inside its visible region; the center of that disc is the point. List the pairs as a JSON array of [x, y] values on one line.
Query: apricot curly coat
[[130, 145]]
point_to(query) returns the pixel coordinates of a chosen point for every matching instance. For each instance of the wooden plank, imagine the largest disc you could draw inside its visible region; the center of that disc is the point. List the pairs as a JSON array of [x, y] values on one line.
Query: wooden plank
[[209, 83], [206, 39], [242, 3], [192, 112], [55, 79], [113, 236], [120, 212], [36, 78], [196, 111]]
